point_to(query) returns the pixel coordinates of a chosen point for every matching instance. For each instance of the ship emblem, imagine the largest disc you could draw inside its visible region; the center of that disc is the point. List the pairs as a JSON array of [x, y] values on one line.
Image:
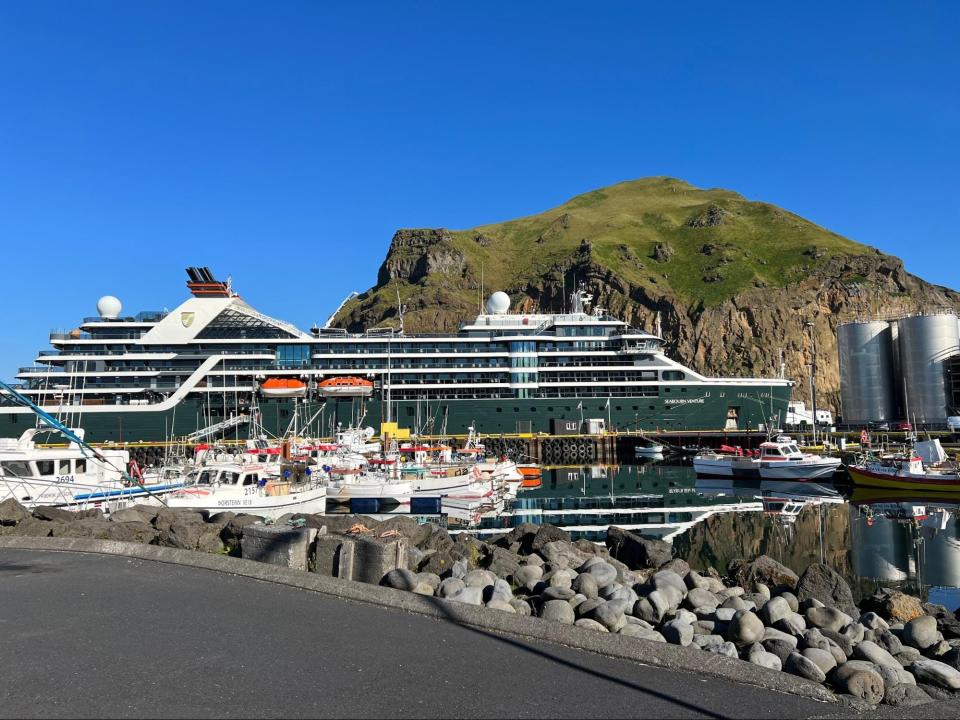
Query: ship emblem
[[187, 318]]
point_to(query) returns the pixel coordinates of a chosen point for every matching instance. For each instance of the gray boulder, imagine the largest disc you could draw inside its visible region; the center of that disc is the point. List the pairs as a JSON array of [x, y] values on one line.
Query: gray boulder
[[860, 680], [780, 648], [558, 611], [609, 615], [558, 593], [826, 585], [546, 534], [871, 652], [758, 656], [637, 552], [765, 570], [774, 610], [823, 659], [827, 617], [695, 581], [604, 574], [12, 512], [521, 607], [921, 633], [501, 605], [745, 628], [873, 621], [700, 599], [677, 633], [791, 599], [586, 584], [804, 667], [935, 673], [527, 576], [479, 579], [450, 587]]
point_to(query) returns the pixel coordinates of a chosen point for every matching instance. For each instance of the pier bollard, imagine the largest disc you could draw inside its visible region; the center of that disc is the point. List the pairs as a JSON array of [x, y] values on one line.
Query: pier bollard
[[279, 544]]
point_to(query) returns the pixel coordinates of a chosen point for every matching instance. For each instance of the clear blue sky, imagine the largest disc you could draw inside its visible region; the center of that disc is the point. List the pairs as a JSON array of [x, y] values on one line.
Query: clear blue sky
[[285, 142]]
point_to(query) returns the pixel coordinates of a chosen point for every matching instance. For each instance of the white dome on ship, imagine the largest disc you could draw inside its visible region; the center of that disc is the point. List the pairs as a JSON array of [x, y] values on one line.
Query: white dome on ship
[[498, 303], [109, 307]]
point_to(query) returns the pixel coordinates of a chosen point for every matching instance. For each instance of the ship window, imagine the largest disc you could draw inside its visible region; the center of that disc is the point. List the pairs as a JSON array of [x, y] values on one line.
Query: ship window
[[15, 468], [549, 408], [81, 465], [233, 324], [499, 409], [64, 467], [248, 480], [45, 467], [14, 419], [673, 375]]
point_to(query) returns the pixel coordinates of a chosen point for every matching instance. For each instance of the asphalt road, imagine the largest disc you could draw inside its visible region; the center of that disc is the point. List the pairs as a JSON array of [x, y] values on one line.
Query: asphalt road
[[94, 635]]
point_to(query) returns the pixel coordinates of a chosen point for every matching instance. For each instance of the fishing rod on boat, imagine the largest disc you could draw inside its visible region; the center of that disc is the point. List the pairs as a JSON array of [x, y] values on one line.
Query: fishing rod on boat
[[47, 419]]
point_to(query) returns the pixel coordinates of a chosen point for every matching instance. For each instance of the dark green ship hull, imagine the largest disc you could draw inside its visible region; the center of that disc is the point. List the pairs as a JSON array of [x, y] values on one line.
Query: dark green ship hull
[[731, 407]]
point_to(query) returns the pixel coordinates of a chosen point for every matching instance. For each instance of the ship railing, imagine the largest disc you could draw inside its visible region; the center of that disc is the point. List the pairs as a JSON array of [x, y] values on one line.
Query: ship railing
[[41, 369]]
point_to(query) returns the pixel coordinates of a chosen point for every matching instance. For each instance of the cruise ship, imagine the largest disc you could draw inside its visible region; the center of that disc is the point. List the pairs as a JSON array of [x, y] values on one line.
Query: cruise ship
[[215, 365]]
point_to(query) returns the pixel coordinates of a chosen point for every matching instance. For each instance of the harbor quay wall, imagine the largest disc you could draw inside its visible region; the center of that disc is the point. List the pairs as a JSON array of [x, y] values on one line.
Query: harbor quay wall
[[757, 621]]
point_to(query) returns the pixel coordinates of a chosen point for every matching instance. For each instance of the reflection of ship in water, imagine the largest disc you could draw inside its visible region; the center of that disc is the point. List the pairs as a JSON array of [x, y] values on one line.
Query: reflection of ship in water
[[652, 499], [911, 538], [782, 500]]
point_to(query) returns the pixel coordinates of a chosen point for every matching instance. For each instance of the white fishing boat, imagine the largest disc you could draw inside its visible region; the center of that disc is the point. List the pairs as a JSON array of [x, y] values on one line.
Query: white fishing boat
[[72, 475], [779, 459], [253, 489]]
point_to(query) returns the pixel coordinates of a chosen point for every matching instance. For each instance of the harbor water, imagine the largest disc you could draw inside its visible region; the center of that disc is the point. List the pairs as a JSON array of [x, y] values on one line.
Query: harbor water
[[873, 540]]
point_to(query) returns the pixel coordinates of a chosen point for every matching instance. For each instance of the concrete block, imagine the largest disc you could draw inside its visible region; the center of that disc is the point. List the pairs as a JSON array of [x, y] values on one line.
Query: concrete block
[[278, 545], [360, 558]]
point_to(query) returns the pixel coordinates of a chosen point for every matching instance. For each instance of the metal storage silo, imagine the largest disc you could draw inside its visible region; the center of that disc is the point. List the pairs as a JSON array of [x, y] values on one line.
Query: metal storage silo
[[926, 342], [866, 372], [879, 550]]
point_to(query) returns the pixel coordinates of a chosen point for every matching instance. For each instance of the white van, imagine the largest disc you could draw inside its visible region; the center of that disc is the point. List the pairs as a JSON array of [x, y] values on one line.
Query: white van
[[953, 423]]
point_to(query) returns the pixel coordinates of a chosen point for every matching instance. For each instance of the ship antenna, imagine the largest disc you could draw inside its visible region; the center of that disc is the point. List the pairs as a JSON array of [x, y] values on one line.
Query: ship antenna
[[401, 308]]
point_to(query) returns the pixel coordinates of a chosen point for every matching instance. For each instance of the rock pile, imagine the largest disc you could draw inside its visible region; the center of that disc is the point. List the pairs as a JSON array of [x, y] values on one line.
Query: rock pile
[[892, 649]]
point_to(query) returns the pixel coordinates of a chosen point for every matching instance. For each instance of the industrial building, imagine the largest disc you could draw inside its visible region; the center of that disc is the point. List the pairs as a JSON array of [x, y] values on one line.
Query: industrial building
[[906, 368]]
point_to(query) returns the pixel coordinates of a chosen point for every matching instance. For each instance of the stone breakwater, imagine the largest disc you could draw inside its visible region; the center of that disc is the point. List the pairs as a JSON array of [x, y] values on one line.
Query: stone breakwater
[[892, 649]]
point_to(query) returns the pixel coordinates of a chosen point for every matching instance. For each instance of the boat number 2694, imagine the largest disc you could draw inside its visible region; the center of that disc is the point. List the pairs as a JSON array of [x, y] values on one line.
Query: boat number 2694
[[65, 479]]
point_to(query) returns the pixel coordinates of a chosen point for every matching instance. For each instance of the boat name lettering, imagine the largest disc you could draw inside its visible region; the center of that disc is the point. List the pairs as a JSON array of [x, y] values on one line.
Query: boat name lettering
[[233, 503], [683, 401]]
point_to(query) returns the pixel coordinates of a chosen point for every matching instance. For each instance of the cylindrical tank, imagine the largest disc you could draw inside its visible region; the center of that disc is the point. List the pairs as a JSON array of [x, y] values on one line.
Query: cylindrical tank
[[880, 550], [866, 371], [926, 341]]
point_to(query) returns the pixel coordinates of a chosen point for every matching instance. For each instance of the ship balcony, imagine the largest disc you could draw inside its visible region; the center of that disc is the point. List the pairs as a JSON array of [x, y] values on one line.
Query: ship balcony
[[39, 370], [75, 335]]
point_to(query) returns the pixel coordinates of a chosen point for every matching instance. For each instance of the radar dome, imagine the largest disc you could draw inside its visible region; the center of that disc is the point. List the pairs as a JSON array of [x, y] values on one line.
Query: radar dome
[[108, 307], [498, 303]]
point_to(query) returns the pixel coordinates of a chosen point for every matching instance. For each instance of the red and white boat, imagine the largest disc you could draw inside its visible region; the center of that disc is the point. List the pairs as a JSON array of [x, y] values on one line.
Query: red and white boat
[[283, 388]]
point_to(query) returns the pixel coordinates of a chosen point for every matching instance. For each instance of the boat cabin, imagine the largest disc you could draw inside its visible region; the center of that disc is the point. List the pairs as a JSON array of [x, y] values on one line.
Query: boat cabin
[[780, 449], [234, 476]]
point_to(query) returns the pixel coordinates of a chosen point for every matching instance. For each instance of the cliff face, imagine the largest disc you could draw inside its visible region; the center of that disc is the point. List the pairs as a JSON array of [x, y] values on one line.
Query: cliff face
[[735, 282]]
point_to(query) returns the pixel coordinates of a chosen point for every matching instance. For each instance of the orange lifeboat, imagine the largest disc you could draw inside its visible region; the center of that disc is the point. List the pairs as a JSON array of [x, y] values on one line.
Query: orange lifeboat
[[346, 387], [529, 471], [283, 388]]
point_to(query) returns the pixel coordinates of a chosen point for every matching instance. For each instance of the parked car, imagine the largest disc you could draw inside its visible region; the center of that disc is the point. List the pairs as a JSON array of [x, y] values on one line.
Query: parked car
[[903, 426], [953, 423], [877, 425]]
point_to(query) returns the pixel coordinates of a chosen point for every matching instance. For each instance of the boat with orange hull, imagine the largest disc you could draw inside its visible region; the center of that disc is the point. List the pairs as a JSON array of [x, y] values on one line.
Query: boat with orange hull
[[346, 386], [283, 388]]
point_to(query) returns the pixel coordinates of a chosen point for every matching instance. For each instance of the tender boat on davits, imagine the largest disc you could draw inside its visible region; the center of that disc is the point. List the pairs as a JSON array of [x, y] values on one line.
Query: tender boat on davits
[[345, 387], [779, 459]]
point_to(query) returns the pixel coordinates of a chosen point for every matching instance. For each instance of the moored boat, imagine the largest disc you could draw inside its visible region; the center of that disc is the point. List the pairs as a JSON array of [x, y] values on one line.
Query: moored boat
[[779, 459], [345, 387], [253, 489]]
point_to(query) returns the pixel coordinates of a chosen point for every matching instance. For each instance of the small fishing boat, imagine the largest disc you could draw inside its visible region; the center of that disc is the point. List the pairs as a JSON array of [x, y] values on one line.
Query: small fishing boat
[[283, 388], [346, 386], [649, 449], [252, 489], [924, 467], [779, 459]]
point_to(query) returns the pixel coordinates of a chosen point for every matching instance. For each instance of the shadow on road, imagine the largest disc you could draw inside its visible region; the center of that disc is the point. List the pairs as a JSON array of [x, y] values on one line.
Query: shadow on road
[[444, 607]]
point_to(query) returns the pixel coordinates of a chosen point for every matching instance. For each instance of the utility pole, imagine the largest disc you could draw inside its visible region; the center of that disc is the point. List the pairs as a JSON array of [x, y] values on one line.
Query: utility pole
[[813, 378]]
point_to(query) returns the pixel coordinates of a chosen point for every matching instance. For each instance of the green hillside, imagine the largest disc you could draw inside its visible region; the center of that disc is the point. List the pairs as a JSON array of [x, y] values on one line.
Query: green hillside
[[707, 245]]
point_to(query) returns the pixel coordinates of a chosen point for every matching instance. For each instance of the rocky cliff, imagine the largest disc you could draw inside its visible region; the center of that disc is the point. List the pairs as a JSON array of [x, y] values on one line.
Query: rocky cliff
[[735, 282]]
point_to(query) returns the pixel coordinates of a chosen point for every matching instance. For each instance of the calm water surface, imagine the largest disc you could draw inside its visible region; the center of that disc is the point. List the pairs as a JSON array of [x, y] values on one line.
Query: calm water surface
[[872, 538]]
